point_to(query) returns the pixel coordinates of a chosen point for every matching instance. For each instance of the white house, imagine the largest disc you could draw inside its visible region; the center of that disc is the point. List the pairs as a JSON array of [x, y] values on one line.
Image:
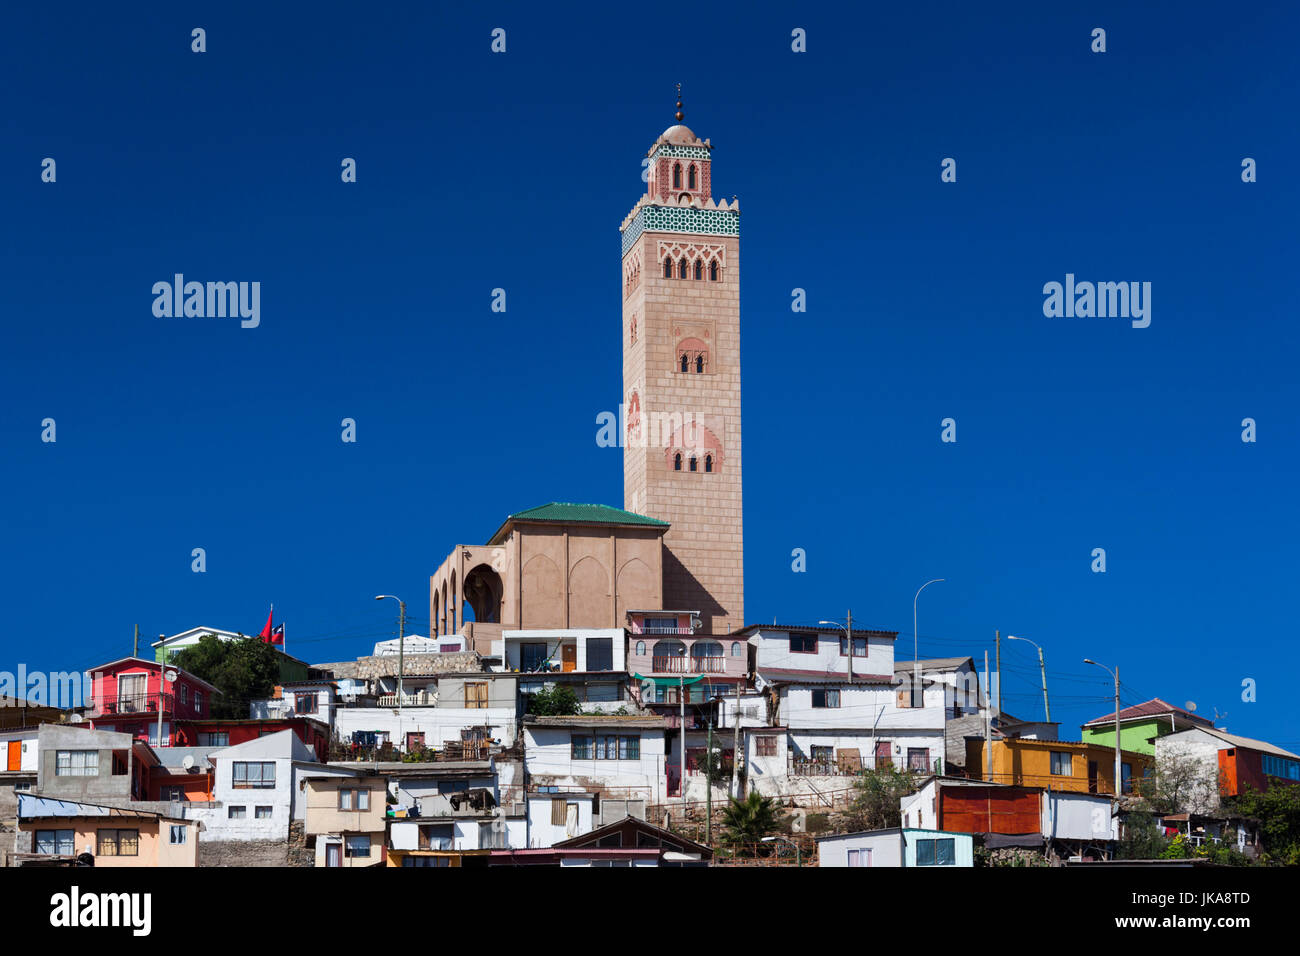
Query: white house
[[897, 847], [257, 788], [309, 698], [822, 651], [580, 650]]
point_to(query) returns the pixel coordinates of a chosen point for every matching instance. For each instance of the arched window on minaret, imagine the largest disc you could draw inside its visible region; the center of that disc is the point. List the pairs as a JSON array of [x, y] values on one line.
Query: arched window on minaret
[[682, 268], [691, 178], [708, 463], [699, 364], [685, 363], [713, 271], [633, 330], [692, 463], [677, 462], [677, 175], [668, 267], [699, 269]]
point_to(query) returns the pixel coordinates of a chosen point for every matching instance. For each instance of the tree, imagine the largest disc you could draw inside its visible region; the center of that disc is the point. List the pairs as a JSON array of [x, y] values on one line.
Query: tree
[[749, 820], [559, 700], [1142, 839], [243, 670], [1278, 811], [875, 805]]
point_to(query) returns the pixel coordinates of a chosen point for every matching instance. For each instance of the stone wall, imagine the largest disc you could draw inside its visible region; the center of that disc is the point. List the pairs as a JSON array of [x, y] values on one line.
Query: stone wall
[[368, 668]]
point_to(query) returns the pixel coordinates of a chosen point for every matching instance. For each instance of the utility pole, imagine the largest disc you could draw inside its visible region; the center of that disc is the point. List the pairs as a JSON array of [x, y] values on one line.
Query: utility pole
[[1118, 768], [708, 787], [401, 646], [849, 631], [1042, 670], [988, 724], [681, 740], [997, 641], [135, 648], [735, 749]]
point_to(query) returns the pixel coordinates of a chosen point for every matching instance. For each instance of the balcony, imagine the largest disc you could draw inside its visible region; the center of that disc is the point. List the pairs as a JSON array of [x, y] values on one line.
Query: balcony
[[659, 629], [830, 767], [688, 657], [130, 705], [423, 698]]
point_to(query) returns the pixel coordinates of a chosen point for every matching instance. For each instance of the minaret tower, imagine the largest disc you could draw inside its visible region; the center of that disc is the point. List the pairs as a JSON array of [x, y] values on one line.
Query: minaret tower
[[681, 376]]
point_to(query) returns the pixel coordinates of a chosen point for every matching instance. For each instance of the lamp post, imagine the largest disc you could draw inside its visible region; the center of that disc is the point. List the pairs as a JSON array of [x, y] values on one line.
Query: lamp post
[[1042, 668], [401, 644], [798, 855], [848, 638], [1114, 673], [916, 658]]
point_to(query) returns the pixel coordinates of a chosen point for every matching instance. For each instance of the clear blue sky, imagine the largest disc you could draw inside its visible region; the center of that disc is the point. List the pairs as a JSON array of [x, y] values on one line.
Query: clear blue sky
[[479, 171]]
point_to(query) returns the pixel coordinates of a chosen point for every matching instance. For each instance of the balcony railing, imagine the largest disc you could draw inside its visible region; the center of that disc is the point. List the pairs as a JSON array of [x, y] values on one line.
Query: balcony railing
[[130, 704], [674, 629], [421, 698], [689, 665], [832, 767]]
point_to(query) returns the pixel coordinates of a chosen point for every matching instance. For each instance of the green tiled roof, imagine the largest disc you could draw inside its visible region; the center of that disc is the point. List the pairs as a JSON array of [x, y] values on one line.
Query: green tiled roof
[[560, 512]]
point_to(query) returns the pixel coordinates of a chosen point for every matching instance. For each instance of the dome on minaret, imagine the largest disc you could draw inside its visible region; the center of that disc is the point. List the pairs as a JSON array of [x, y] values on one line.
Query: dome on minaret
[[679, 135]]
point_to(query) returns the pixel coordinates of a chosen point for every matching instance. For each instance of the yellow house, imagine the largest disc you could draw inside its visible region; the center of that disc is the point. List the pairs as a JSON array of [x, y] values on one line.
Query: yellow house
[[346, 817], [58, 831], [1056, 764]]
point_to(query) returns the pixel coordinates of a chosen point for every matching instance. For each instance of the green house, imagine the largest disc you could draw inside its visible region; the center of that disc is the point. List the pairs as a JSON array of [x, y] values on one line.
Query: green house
[[291, 669], [1140, 724]]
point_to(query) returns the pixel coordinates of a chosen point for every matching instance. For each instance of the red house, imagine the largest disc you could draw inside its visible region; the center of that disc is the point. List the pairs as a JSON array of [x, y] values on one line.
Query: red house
[[131, 694]]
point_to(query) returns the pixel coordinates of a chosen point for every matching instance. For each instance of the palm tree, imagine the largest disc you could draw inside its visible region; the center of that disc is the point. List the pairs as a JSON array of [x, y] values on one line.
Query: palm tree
[[749, 820]]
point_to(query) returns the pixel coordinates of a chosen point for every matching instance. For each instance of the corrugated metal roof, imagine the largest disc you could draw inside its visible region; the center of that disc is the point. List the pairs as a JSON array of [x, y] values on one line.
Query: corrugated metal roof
[[31, 806], [1155, 707], [935, 663], [782, 675], [816, 629]]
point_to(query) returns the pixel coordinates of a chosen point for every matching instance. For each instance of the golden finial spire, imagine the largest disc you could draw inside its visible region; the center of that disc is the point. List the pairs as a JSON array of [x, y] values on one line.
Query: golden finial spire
[[680, 116]]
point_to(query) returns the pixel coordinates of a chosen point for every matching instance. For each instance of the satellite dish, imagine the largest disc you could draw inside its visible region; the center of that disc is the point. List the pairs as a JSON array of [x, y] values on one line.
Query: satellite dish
[[170, 676], [1190, 705], [188, 762]]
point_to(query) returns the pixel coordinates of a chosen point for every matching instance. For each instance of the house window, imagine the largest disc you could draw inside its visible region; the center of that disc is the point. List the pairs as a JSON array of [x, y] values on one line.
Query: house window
[[859, 647], [936, 852], [617, 747], [236, 813], [262, 813], [198, 702], [803, 643], [823, 755], [600, 653], [1126, 777], [56, 842], [253, 774], [440, 836], [118, 843], [580, 747], [860, 857], [1062, 763], [217, 738], [304, 703], [476, 695], [76, 763], [1275, 766], [171, 793], [119, 763], [532, 656], [765, 745], [350, 799], [825, 697], [356, 846], [24, 787], [185, 694], [425, 861], [918, 758], [178, 834], [735, 648]]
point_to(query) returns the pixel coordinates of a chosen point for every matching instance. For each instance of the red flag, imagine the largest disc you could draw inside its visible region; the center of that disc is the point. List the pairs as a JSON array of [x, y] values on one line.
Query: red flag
[[266, 631]]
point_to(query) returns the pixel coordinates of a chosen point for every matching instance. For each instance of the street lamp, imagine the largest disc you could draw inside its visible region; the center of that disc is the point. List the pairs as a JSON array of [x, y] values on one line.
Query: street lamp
[[1047, 710], [848, 638], [401, 644], [1114, 673], [916, 658], [798, 856]]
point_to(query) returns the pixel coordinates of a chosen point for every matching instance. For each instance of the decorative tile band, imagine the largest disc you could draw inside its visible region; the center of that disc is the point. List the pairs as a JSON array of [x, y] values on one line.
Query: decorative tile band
[[681, 152], [695, 222]]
